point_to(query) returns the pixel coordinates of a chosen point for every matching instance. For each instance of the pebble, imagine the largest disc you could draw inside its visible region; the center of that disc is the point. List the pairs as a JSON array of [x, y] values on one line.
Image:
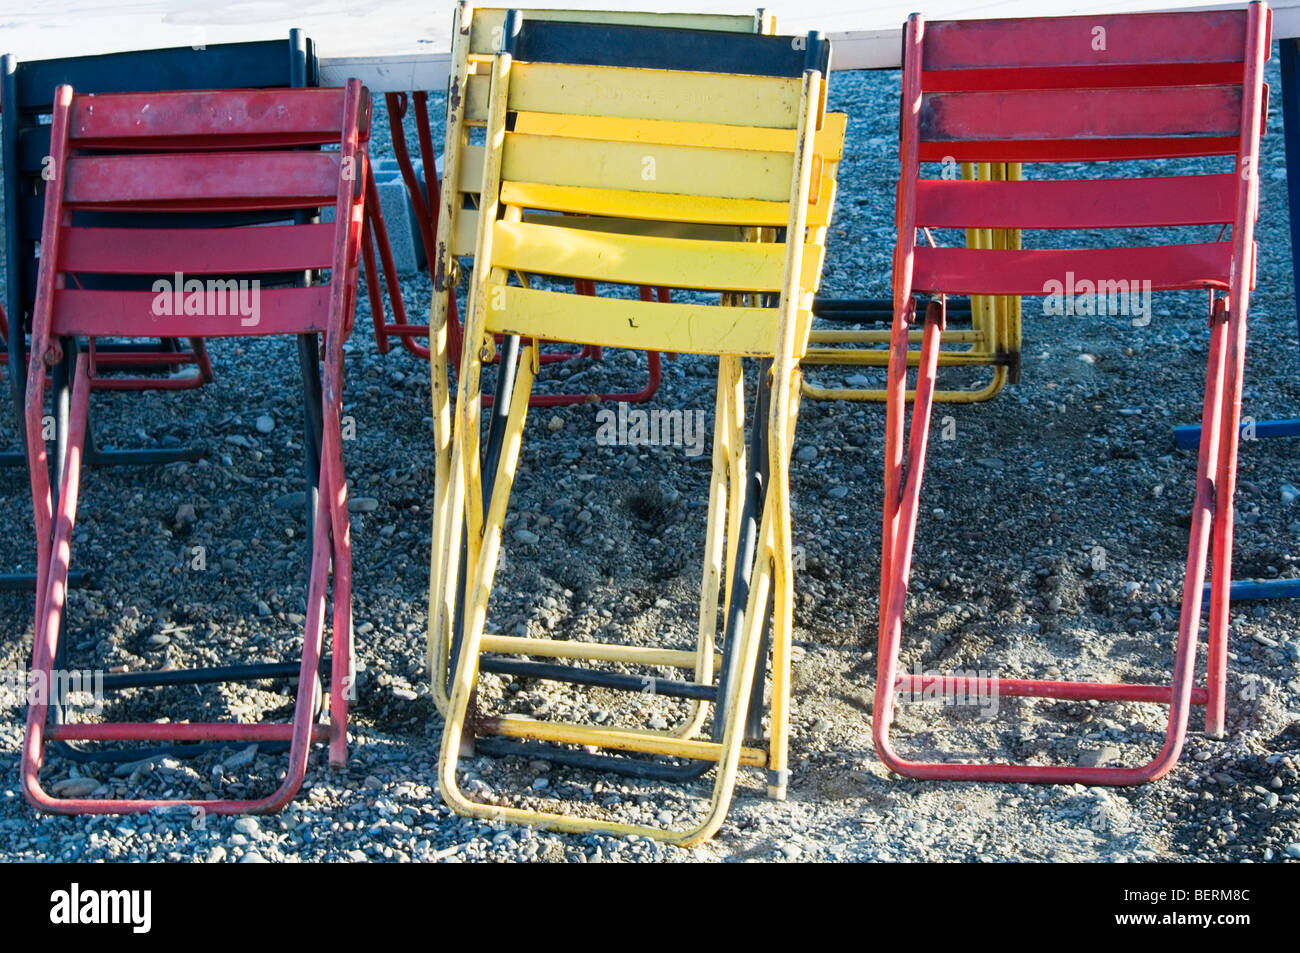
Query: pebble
[[362, 504], [527, 537], [75, 787], [241, 758], [247, 826], [806, 454], [1293, 850], [838, 492], [1099, 756], [264, 423], [555, 424]]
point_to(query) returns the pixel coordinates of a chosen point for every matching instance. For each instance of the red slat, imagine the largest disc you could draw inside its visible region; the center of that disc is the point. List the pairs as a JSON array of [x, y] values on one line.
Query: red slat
[[1129, 113], [1078, 203], [1197, 37], [1081, 77], [157, 251], [987, 272], [1078, 150], [256, 116], [130, 313], [248, 178]]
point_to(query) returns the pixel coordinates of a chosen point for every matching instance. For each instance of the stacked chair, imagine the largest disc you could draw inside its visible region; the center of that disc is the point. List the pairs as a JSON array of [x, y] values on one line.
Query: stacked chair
[[27, 89], [741, 154], [476, 38], [1165, 86], [168, 157]]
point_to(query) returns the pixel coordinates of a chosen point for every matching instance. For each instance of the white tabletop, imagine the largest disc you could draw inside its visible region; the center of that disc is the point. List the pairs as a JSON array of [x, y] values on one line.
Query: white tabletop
[[405, 44]]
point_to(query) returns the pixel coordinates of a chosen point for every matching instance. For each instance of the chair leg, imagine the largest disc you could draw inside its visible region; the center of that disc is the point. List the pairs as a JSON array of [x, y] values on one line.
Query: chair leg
[[1225, 483], [898, 535], [52, 599]]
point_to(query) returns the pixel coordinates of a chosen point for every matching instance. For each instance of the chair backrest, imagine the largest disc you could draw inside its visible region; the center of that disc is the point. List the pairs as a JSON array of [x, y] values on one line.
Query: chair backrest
[[478, 34], [1083, 89], [26, 98], [633, 145], [180, 154]]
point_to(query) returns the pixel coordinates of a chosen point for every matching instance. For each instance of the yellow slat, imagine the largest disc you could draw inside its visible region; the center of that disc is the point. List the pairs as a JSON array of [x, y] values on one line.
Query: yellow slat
[[655, 94], [656, 131], [620, 203], [639, 325], [644, 260], [485, 27], [630, 166]]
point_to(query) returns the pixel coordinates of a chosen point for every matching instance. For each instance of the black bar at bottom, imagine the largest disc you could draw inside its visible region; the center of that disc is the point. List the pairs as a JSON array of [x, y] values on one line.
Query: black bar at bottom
[[585, 676]]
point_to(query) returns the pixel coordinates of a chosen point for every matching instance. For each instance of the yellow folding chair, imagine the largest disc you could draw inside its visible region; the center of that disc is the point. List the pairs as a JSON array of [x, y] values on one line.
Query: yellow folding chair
[[992, 340], [741, 154], [478, 35]]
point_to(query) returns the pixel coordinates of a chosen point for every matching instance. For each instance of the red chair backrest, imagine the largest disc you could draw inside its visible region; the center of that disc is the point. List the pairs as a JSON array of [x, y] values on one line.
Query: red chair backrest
[[1083, 89], [167, 155]]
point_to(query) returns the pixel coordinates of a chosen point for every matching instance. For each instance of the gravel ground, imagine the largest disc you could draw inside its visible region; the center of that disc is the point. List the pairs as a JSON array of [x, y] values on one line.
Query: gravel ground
[[1033, 560]]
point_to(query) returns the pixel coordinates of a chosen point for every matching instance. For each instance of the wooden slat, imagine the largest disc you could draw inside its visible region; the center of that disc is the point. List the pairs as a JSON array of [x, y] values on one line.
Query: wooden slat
[[655, 94], [640, 325], [130, 314], [829, 140], [1082, 77], [269, 115], [1027, 272], [1151, 38], [656, 207], [466, 228], [247, 179], [1078, 203], [644, 259], [628, 166], [471, 169], [1078, 150], [160, 251], [1190, 111], [486, 24]]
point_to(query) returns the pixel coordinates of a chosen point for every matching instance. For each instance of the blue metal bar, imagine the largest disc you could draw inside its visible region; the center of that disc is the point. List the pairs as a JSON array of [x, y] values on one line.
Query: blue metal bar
[[1253, 589], [1189, 437]]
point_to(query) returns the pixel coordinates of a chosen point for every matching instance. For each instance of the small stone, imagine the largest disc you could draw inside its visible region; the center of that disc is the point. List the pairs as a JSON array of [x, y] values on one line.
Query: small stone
[[158, 640], [555, 424], [75, 787], [1288, 493], [241, 758], [373, 783], [362, 504], [657, 722], [253, 857], [291, 501], [264, 423], [263, 609], [1293, 850], [1271, 800], [791, 851], [806, 454], [527, 537], [185, 515], [1098, 757], [247, 826], [217, 855], [838, 492], [541, 784], [357, 856]]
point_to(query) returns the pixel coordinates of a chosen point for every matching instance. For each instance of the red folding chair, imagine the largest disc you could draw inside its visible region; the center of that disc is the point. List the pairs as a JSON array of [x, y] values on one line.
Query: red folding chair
[[1078, 89], [234, 150]]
